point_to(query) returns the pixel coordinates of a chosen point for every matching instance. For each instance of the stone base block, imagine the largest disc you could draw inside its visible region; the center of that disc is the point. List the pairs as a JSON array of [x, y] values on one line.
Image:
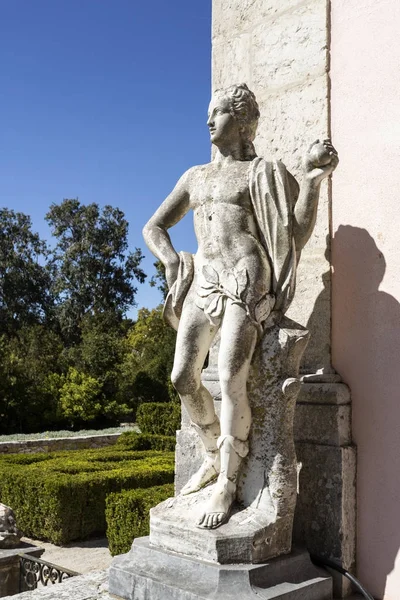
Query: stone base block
[[325, 519], [10, 567], [252, 535], [148, 573]]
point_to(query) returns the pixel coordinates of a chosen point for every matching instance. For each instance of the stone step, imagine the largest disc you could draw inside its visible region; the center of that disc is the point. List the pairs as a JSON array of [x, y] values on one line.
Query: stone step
[[148, 573], [92, 586]]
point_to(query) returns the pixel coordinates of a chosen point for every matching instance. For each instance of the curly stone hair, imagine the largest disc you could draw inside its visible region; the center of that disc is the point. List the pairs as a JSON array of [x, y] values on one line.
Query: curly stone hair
[[244, 108]]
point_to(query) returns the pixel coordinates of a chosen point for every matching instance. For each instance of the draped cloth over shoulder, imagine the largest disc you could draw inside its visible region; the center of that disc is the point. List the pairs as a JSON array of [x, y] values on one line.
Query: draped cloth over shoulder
[[176, 296], [273, 192]]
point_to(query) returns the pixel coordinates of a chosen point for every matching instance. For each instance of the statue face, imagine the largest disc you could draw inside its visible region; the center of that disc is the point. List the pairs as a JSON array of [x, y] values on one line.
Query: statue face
[[224, 128]]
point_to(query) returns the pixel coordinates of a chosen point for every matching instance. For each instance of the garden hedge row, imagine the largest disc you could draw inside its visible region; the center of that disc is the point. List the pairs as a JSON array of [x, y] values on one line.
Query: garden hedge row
[[60, 496], [159, 417], [127, 515], [137, 441]]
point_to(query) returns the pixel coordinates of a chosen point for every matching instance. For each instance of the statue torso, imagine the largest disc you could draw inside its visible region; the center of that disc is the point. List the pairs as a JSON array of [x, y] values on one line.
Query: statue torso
[[225, 225]]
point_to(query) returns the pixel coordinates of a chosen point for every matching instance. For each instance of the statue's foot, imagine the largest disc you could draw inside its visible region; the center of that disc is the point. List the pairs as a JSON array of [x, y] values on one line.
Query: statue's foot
[[219, 506], [208, 471]]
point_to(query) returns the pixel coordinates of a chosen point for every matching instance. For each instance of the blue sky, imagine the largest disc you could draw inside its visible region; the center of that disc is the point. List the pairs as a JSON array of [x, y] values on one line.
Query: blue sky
[[104, 100]]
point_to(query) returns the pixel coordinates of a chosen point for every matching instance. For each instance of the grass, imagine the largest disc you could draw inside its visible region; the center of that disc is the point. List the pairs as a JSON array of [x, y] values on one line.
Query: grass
[[45, 435]]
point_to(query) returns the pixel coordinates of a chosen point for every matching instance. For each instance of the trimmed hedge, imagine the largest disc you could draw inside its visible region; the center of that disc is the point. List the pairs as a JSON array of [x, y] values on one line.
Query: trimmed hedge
[[60, 496], [132, 440], [127, 515], [159, 417]]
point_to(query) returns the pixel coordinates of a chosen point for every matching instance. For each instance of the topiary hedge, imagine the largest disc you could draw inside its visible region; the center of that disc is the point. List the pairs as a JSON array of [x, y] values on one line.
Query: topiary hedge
[[127, 515], [60, 496], [132, 440], [159, 417]]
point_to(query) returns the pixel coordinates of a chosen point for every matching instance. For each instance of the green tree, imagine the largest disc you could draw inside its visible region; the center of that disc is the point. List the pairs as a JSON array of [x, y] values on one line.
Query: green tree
[[94, 271], [24, 277], [28, 361], [152, 345], [159, 280], [101, 354], [80, 397]]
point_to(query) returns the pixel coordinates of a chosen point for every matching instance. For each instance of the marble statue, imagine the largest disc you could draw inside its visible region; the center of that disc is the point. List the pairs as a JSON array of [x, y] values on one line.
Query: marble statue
[[251, 221]]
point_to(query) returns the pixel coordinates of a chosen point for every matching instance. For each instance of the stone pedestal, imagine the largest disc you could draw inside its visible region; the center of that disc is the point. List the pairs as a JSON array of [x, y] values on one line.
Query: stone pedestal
[[267, 486], [325, 516], [325, 519], [248, 537], [251, 555], [10, 568], [148, 573]]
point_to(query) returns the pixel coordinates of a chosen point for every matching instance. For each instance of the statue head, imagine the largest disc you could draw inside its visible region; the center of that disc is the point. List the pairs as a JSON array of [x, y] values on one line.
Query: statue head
[[244, 108]]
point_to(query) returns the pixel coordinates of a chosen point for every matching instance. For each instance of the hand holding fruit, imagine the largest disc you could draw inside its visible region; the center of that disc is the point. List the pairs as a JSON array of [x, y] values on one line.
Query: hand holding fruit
[[320, 161]]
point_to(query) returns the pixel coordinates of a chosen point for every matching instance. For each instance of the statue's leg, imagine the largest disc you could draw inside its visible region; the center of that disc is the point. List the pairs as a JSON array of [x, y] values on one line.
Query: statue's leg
[[238, 340], [194, 338]]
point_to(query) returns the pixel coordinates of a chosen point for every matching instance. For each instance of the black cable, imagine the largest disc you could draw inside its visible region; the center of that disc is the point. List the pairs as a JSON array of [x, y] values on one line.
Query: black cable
[[326, 562]]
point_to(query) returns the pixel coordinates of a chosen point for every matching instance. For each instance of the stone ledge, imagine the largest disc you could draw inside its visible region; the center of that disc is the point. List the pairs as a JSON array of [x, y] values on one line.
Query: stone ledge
[[54, 444], [93, 586], [324, 393]]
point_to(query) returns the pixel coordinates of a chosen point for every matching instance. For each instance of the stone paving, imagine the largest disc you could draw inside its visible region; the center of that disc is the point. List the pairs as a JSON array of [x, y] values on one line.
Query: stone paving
[[82, 557], [92, 586]]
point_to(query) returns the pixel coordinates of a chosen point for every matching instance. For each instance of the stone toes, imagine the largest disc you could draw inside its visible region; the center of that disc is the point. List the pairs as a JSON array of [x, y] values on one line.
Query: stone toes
[[211, 520], [214, 520]]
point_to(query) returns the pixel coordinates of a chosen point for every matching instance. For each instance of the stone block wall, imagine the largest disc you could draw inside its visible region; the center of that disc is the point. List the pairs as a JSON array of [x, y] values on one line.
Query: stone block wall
[[281, 50]]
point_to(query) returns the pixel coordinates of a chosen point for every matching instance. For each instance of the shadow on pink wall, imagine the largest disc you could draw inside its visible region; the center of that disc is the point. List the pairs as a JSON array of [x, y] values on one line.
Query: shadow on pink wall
[[366, 353]]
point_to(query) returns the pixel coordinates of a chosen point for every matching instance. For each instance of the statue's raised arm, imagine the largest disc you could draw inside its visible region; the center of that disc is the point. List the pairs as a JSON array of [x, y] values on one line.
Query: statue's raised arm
[[319, 162]]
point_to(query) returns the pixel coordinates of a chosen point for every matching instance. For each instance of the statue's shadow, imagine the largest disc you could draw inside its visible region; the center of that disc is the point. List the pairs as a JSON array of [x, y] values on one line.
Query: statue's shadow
[[366, 351]]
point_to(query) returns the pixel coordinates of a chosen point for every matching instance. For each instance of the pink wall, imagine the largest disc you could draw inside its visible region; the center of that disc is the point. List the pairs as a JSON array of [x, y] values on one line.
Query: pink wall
[[365, 74]]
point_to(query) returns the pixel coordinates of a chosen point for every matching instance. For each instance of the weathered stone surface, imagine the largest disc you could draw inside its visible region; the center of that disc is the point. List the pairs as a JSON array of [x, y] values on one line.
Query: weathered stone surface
[[326, 504], [280, 66], [282, 52], [325, 519], [324, 393], [56, 444], [268, 483], [10, 535], [250, 536], [323, 424], [231, 17], [147, 573], [188, 452]]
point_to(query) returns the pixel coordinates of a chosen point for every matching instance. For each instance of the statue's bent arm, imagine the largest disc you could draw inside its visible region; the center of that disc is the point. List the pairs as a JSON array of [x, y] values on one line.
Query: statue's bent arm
[[155, 233]]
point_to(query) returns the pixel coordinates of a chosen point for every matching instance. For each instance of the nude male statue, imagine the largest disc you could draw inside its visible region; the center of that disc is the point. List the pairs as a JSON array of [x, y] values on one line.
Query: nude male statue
[[251, 223]]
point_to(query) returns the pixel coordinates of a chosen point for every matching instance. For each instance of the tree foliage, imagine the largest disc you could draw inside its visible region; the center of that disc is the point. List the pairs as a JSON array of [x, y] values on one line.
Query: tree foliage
[[94, 272], [159, 280], [152, 344], [69, 356], [24, 280]]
